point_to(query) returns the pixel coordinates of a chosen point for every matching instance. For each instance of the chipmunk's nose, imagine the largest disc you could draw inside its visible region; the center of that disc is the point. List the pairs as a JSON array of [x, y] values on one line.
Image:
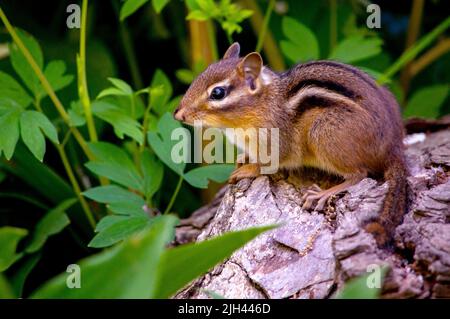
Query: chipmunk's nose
[[179, 114]]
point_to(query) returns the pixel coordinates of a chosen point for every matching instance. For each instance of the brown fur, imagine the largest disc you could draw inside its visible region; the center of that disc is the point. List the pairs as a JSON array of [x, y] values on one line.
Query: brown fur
[[344, 123]]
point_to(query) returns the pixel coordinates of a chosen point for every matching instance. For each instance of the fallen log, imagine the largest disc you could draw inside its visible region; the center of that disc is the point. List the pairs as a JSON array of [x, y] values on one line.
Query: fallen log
[[313, 254]]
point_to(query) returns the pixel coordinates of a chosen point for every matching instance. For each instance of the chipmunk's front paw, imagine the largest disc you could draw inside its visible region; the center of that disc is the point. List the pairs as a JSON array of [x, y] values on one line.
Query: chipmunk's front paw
[[244, 171]]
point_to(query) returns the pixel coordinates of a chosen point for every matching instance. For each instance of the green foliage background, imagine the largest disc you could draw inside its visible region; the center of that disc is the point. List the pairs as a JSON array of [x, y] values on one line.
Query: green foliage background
[[85, 124]]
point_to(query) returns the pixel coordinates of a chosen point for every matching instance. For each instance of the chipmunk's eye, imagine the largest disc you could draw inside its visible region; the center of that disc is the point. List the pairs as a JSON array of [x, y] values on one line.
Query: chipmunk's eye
[[218, 93]]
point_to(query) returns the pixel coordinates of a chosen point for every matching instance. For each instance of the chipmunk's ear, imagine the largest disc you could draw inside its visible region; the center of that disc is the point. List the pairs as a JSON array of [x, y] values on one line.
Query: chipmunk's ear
[[232, 51], [250, 68]]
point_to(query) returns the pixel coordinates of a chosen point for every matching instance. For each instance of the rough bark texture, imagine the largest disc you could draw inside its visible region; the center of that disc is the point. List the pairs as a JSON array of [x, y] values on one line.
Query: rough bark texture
[[313, 254]]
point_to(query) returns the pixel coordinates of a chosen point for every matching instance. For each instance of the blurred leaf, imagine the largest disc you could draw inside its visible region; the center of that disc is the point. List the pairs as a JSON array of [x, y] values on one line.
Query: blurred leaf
[[129, 7], [185, 76], [119, 230], [52, 223], [123, 124], [110, 194], [9, 88], [302, 44], [9, 126], [54, 72], [182, 264], [9, 239], [158, 5], [427, 102], [159, 101], [20, 63], [76, 114], [162, 143], [200, 176], [153, 171], [33, 126], [114, 163], [20, 276], [6, 291], [358, 288], [140, 267], [40, 177], [198, 15], [356, 48], [124, 271], [173, 104]]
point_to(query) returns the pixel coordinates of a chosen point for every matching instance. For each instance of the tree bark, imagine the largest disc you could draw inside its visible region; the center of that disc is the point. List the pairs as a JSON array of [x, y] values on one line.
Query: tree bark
[[313, 254]]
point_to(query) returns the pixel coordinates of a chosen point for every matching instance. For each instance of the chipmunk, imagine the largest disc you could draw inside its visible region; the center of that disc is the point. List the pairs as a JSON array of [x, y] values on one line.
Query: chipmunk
[[330, 116]]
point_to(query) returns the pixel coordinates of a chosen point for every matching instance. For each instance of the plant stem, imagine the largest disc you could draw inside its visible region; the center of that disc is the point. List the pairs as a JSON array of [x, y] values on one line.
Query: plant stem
[[82, 83], [174, 195], [69, 171], [75, 185], [430, 56], [270, 46], [413, 51], [48, 88], [130, 55], [145, 123], [263, 31]]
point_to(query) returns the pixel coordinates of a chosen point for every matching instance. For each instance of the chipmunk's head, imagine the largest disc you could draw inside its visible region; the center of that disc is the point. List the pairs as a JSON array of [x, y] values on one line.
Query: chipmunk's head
[[229, 93]]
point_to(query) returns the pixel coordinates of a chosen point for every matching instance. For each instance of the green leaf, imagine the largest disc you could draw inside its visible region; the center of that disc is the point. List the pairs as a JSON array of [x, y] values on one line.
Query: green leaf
[[128, 208], [76, 114], [159, 101], [158, 5], [20, 63], [182, 264], [55, 74], [112, 194], [119, 230], [198, 15], [123, 124], [52, 223], [108, 221], [356, 48], [427, 102], [358, 288], [114, 163], [124, 271], [302, 44], [121, 85], [6, 291], [162, 144], [9, 239], [173, 104], [185, 76], [9, 88], [21, 275], [110, 91], [200, 176], [153, 171], [40, 177], [129, 7], [33, 126], [9, 126]]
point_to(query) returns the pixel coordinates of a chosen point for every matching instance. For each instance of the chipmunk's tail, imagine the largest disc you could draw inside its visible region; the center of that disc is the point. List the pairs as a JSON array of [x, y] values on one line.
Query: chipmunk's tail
[[394, 206]]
